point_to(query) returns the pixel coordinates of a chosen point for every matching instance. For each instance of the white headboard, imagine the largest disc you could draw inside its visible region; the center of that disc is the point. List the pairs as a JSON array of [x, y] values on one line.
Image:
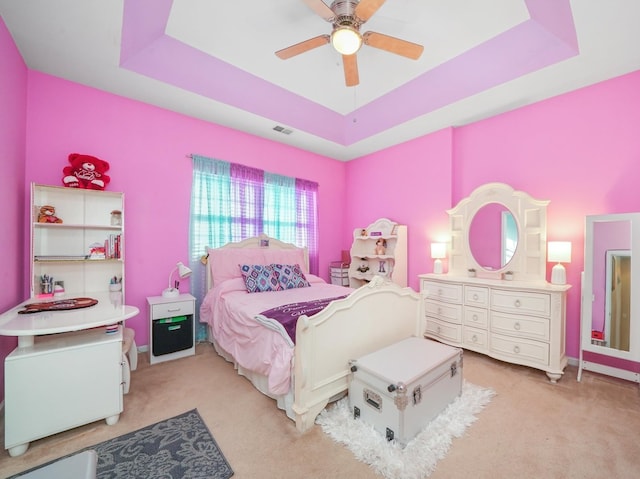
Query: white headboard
[[223, 261]]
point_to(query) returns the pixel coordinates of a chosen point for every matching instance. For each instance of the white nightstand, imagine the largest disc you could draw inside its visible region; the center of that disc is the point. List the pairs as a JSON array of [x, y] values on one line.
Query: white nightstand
[[171, 327]]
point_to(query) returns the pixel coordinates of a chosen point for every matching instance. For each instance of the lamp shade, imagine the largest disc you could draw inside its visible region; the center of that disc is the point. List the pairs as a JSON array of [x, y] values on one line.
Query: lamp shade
[[183, 271], [438, 250], [559, 251], [346, 40]]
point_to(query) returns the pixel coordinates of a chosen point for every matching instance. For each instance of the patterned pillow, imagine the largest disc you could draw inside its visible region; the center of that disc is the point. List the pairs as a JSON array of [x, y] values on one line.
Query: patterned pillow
[[259, 278], [290, 276]]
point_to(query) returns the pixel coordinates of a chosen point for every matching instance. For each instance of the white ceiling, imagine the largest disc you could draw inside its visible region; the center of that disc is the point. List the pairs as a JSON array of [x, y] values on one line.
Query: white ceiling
[[481, 58]]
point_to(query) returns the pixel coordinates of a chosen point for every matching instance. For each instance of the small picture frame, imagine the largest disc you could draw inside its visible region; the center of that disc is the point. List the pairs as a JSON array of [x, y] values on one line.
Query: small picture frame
[[264, 242], [394, 230]]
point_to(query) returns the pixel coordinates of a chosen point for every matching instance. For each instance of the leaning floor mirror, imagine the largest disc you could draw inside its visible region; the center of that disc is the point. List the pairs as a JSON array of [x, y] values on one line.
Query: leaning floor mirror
[[610, 316]]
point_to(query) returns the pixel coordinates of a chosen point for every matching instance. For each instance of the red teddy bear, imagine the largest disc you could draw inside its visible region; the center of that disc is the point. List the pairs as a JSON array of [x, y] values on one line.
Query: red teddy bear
[[86, 172]]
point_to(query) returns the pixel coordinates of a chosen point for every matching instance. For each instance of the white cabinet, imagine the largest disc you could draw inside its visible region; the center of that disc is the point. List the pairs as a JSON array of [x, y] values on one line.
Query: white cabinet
[[380, 249], [517, 322], [60, 382], [172, 332], [86, 250]]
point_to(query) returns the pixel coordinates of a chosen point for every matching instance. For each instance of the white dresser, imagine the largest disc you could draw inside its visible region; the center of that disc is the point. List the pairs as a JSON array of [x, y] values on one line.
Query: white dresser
[[521, 322]]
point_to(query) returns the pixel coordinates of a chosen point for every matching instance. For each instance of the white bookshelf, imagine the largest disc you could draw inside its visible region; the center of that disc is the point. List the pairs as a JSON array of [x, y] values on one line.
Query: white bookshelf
[[366, 263], [62, 250]]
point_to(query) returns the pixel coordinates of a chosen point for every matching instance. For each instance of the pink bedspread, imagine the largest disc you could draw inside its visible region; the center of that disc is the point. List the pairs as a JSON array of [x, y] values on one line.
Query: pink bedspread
[[255, 342]]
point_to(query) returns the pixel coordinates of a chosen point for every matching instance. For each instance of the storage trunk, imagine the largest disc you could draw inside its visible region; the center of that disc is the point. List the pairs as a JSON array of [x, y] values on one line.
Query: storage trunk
[[400, 388]]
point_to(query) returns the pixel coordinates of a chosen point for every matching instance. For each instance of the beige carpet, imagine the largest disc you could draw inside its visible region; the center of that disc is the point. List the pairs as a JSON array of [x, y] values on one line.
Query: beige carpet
[[531, 428]]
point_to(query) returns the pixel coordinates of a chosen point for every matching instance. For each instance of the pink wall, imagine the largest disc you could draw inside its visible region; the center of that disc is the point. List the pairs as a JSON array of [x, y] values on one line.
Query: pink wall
[[580, 150], [146, 148], [13, 98], [410, 184]]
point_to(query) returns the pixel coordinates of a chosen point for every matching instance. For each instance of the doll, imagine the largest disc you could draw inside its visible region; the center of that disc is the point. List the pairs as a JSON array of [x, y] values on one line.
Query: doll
[[381, 247]]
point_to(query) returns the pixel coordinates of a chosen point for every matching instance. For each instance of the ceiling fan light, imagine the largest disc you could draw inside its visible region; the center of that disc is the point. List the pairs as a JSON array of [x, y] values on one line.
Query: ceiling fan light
[[346, 40]]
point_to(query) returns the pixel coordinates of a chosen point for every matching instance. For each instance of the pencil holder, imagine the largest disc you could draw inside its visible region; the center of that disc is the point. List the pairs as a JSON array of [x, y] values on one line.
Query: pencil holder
[[46, 287]]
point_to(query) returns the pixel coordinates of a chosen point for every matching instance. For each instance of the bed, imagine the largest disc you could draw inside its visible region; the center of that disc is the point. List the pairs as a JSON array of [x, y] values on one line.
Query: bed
[[306, 369]]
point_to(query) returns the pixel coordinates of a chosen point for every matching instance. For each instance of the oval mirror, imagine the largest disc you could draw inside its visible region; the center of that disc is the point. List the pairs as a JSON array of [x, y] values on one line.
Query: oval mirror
[[493, 236]]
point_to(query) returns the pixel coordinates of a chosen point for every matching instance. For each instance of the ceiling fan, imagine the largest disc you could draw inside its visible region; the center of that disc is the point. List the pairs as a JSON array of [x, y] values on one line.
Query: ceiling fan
[[347, 16]]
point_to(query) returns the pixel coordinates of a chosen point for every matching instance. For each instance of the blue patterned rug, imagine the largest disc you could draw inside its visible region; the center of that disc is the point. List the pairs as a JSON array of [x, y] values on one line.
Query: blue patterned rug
[[177, 448]]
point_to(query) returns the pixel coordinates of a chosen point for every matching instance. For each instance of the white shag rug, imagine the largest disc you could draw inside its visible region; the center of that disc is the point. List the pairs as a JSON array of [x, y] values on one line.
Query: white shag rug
[[419, 458]]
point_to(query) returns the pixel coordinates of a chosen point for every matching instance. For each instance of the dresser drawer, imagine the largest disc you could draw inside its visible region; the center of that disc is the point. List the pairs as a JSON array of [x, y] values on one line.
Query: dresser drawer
[[476, 296], [451, 293], [521, 302], [169, 310], [476, 339], [443, 330], [476, 317], [522, 326], [520, 351], [443, 311]]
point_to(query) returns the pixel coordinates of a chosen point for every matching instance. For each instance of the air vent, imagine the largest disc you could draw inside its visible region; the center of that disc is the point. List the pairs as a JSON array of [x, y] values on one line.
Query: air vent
[[283, 130]]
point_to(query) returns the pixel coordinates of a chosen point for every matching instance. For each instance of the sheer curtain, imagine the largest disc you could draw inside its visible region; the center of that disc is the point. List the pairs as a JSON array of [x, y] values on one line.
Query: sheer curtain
[[231, 202], [307, 220]]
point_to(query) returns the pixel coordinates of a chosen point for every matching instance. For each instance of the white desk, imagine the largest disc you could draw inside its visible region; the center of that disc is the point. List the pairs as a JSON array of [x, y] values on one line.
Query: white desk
[[66, 370], [109, 310]]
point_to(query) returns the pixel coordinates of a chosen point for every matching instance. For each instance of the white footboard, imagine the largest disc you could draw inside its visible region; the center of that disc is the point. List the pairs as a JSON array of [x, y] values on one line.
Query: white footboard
[[375, 315]]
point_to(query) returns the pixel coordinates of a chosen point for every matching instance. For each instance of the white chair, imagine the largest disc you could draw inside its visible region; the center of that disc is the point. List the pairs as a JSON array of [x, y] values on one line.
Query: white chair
[[129, 357]]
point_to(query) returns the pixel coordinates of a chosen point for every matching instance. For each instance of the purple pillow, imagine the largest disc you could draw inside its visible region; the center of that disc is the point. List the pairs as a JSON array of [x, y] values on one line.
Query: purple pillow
[[290, 276], [259, 278]]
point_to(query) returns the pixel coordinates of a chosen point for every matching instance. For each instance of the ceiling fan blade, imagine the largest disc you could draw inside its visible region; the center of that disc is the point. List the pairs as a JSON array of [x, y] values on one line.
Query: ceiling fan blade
[[302, 47], [350, 63], [321, 9], [366, 8], [393, 45]]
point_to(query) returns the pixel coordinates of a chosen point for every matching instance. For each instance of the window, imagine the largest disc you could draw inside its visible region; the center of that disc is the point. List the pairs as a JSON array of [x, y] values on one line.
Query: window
[[231, 202]]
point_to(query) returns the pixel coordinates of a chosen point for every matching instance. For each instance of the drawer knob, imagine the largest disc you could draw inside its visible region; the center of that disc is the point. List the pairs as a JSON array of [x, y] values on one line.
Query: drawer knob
[[439, 310], [439, 292], [474, 338], [516, 326], [438, 329], [517, 303], [475, 297], [474, 317], [516, 349]]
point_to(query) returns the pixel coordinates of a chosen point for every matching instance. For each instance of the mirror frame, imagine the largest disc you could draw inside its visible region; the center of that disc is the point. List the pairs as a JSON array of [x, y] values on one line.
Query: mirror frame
[[529, 260], [589, 289]]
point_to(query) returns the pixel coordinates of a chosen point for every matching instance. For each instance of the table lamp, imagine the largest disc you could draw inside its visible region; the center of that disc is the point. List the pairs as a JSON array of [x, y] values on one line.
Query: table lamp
[[560, 252], [183, 272], [438, 251]]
